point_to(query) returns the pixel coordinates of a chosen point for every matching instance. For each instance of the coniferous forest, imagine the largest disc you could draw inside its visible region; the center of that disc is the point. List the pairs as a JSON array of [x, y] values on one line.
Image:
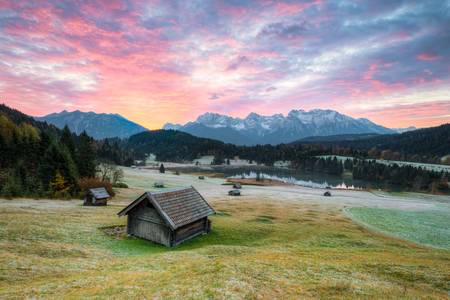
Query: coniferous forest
[[40, 160], [408, 177]]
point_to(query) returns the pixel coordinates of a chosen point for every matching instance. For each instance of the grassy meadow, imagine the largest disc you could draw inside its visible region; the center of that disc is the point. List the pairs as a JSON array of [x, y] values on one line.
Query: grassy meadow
[[424, 227], [257, 249]]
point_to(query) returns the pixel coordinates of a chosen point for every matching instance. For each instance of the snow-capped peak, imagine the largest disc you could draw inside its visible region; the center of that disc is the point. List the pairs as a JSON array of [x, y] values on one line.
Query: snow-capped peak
[[279, 128]]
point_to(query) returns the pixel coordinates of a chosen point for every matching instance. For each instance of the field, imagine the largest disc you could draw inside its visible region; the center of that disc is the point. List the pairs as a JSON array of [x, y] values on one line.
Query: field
[[425, 227], [273, 242]]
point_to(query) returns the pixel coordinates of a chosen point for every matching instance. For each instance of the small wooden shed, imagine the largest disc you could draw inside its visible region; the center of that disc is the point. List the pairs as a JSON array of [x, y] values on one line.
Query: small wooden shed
[[96, 197], [168, 217]]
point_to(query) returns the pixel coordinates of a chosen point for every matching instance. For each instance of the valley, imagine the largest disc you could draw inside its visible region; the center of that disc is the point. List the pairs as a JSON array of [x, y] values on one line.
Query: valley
[[272, 242], [307, 221]]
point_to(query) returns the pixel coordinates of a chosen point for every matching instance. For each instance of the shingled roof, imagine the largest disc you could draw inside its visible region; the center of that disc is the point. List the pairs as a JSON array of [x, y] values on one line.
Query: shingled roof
[[99, 193], [177, 207]]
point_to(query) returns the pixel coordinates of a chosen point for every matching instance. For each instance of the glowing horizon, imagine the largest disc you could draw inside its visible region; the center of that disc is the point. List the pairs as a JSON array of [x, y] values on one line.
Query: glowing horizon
[[161, 61]]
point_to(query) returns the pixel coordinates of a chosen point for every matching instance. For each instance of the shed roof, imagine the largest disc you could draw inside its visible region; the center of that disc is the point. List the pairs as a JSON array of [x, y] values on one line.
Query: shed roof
[[99, 193], [177, 207]]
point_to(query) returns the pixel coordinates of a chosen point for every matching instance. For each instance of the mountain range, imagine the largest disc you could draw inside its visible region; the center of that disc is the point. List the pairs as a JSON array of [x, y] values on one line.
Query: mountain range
[[276, 129], [252, 130], [99, 126]]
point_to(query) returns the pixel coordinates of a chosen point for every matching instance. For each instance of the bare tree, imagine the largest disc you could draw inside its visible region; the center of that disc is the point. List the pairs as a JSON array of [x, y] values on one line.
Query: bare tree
[[109, 172], [117, 176]]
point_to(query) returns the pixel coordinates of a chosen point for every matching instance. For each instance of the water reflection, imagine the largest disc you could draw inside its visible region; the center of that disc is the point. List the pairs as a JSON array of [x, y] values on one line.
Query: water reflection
[[318, 183], [298, 177]]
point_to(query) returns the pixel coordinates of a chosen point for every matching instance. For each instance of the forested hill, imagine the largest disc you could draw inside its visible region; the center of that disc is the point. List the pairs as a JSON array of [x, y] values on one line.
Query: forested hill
[[18, 117], [337, 138], [423, 145], [175, 145], [37, 159], [433, 141], [172, 145]]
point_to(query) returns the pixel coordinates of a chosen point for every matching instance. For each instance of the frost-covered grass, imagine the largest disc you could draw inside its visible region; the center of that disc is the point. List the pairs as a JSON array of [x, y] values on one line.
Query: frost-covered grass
[[428, 227], [204, 160], [135, 179], [257, 249]]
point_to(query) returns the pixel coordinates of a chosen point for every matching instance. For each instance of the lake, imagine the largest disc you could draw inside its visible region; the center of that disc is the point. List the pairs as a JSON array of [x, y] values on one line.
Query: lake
[[298, 177]]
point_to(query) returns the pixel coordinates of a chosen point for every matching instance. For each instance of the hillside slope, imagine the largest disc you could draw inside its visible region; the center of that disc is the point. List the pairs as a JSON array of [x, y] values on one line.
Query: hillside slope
[[99, 126], [426, 141], [172, 145], [40, 160], [337, 138]]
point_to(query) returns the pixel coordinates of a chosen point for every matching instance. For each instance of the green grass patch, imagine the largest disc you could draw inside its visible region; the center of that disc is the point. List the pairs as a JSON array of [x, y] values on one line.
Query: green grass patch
[[430, 227]]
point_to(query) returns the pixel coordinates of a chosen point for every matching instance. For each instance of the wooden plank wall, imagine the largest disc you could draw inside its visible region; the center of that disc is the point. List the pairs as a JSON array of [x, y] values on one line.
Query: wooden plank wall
[[145, 222], [154, 232], [191, 229]]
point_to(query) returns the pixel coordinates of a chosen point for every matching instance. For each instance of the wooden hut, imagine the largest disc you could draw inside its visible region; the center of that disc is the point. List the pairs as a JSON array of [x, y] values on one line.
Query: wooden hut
[[96, 197], [168, 217]]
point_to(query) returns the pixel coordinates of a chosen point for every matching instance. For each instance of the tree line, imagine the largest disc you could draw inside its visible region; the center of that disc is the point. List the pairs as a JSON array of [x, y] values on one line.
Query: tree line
[[176, 146], [37, 162], [407, 177], [40, 160], [426, 145], [169, 145]]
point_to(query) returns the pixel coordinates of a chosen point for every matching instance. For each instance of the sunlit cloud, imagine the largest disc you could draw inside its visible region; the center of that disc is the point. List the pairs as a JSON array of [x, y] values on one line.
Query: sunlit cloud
[[169, 61]]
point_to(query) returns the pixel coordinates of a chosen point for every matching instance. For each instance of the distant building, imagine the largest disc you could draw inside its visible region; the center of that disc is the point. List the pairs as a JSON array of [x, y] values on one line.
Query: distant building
[[170, 217], [96, 197], [139, 163], [282, 164]]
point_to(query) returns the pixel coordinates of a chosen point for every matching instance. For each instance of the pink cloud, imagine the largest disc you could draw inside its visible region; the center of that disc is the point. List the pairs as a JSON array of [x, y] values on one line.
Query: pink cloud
[[419, 115], [100, 57], [283, 8], [427, 57]]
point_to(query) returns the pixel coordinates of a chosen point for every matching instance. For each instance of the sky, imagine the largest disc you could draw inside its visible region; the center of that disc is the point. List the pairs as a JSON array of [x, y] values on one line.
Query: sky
[[169, 61]]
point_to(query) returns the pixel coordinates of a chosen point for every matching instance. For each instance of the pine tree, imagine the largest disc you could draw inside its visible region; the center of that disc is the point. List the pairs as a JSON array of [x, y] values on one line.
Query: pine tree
[[68, 141], [12, 187], [46, 169], [218, 159], [348, 164], [86, 156]]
